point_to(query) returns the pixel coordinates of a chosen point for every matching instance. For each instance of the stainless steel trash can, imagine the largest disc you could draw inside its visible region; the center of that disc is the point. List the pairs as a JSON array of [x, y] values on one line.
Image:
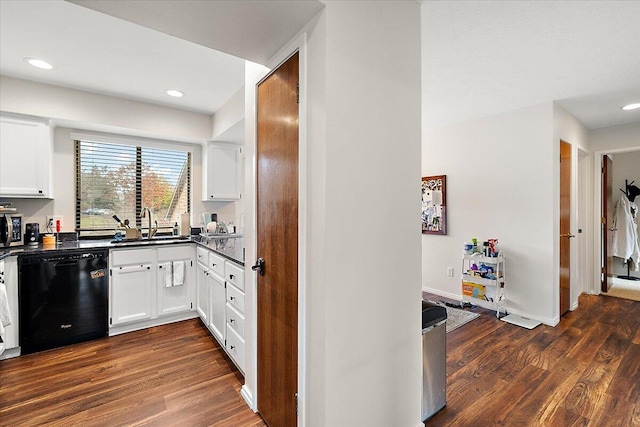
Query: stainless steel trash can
[[434, 358]]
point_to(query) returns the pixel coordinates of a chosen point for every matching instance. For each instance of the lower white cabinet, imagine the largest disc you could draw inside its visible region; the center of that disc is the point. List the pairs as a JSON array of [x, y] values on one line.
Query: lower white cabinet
[[151, 283], [216, 318], [131, 293], [174, 280], [220, 302], [202, 293]]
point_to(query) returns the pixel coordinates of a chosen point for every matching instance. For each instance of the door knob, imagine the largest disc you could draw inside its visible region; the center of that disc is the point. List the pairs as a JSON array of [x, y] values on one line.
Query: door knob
[[259, 267], [569, 235]]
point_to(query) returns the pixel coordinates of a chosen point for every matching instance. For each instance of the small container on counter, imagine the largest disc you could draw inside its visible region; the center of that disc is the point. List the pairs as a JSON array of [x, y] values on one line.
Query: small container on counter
[[49, 241]]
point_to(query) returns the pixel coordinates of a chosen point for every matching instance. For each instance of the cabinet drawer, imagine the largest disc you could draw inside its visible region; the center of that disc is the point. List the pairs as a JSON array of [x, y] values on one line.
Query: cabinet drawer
[[234, 345], [131, 256], [175, 252], [202, 255], [235, 297], [234, 274], [216, 264], [235, 320]]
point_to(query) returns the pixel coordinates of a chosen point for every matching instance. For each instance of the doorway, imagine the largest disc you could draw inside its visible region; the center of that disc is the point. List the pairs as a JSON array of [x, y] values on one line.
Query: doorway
[[277, 204], [565, 227], [621, 167]]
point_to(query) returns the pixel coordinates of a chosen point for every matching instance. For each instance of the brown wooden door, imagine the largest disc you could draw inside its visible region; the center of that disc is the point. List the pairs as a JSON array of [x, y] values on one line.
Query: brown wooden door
[[565, 227], [607, 224], [277, 228]]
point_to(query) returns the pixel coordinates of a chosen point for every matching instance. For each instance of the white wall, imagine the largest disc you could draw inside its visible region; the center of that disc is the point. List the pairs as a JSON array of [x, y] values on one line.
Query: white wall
[[571, 130], [89, 109], [228, 115], [500, 184], [360, 313], [364, 127], [77, 110]]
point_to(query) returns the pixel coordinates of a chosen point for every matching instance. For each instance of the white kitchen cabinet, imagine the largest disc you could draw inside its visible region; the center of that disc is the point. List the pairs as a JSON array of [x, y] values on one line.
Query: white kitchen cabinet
[[131, 289], [9, 275], [25, 158], [202, 292], [217, 316], [234, 313], [221, 169], [173, 297]]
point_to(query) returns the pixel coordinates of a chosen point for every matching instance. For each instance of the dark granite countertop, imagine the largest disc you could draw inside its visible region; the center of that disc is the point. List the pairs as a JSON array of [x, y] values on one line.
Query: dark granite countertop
[[231, 248]]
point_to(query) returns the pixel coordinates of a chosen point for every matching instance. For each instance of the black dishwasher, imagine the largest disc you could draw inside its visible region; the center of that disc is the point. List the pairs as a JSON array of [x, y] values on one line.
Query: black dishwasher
[[63, 298]]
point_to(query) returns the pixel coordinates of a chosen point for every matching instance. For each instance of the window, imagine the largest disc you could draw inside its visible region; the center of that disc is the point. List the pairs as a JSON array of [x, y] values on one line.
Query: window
[[121, 180]]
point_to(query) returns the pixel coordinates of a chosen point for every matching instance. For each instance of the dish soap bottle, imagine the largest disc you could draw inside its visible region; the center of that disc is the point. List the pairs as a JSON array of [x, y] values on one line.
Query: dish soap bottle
[[175, 229]]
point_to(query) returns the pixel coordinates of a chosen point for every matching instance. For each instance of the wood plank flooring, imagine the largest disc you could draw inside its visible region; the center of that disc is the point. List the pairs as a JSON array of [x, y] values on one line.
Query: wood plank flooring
[[171, 375], [583, 372]]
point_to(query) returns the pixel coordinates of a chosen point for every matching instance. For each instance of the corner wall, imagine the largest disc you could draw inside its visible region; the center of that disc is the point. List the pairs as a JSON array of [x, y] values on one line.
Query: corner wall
[[500, 184]]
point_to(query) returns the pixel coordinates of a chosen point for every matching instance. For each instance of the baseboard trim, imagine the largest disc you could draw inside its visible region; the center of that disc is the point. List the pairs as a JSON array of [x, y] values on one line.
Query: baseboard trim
[[455, 297], [490, 306], [136, 326], [248, 397]]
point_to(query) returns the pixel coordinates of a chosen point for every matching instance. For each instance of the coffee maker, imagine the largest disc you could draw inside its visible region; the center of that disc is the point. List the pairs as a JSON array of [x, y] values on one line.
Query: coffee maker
[[31, 233]]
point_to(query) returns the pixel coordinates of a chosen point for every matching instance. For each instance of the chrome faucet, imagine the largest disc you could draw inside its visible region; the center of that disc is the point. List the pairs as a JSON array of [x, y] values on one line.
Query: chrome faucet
[[146, 213]]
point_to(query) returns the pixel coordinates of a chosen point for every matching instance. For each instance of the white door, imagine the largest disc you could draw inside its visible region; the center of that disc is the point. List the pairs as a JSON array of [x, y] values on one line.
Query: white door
[[217, 319], [131, 293], [202, 292], [175, 298]]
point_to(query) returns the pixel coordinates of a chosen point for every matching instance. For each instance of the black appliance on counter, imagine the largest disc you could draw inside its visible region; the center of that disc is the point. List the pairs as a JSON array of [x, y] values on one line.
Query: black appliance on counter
[[63, 298], [31, 233]]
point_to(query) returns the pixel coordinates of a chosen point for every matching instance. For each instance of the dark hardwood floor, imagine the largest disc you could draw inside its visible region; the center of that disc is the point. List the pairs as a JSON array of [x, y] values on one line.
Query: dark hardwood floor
[[583, 372], [172, 375]]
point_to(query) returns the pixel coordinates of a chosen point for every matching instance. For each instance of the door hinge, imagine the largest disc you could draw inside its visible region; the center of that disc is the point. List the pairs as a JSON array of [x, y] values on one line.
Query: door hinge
[[191, 305], [191, 263], [602, 170], [602, 270], [111, 320], [110, 272], [297, 93], [603, 220], [296, 397]]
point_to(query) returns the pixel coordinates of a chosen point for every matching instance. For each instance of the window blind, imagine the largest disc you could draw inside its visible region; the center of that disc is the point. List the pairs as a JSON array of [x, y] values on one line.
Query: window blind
[[116, 179]]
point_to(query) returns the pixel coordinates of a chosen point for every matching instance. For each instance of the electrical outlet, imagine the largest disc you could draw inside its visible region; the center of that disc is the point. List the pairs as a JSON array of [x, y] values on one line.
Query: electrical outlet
[[51, 222], [450, 271]]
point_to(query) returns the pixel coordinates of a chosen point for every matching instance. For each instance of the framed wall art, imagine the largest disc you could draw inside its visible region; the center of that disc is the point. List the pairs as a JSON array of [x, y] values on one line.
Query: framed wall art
[[434, 204]]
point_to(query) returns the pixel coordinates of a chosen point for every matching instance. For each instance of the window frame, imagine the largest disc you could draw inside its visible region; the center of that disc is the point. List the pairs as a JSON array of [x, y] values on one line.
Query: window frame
[[139, 146]]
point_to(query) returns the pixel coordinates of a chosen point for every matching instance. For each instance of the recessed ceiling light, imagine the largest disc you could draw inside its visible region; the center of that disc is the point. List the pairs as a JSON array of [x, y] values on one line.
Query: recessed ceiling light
[[38, 63], [174, 93], [631, 106]]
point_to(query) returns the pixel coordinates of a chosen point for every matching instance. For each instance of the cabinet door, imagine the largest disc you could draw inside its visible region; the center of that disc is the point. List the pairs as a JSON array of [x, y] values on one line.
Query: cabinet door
[[175, 298], [10, 278], [202, 292], [222, 172], [131, 293], [25, 153], [216, 321]]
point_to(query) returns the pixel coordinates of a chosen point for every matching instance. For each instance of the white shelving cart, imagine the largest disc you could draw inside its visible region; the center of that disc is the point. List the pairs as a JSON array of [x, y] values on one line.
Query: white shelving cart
[[483, 281]]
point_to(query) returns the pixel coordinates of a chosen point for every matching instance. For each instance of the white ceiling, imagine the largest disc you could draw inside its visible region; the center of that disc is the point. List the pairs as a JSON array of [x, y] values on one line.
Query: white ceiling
[[487, 57], [480, 58]]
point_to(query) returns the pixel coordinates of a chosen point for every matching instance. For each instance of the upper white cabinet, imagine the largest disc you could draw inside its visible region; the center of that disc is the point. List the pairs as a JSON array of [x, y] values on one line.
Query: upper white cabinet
[[25, 158], [221, 169]]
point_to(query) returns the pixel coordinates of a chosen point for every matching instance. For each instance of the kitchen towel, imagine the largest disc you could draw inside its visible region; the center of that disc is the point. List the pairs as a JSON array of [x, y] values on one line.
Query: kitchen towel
[[168, 274], [5, 313], [178, 273]]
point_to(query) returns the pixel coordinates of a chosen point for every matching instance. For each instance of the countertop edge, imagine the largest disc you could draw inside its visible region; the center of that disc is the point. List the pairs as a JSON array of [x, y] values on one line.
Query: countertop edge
[[106, 244]]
